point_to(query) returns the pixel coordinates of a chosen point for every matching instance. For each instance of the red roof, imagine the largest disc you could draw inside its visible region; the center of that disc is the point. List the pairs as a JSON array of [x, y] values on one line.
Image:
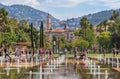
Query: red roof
[[55, 31], [58, 30], [23, 43], [47, 30]]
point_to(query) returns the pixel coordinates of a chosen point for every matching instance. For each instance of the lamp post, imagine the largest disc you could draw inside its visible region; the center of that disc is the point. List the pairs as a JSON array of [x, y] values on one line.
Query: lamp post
[[54, 43]]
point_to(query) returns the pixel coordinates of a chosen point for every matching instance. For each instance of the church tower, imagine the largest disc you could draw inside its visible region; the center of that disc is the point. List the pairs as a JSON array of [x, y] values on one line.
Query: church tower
[[48, 22]]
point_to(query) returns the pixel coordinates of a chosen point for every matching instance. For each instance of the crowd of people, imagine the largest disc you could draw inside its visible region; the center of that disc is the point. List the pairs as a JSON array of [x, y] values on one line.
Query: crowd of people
[[81, 55], [22, 54]]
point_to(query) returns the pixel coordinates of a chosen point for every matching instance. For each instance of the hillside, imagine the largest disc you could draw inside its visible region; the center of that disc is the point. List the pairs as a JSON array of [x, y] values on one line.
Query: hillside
[[25, 12], [94, 19], [35, 16]]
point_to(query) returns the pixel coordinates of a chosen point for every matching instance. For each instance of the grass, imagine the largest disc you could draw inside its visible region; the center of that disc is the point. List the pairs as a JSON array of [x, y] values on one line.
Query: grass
[[108, 55], [89, 55]]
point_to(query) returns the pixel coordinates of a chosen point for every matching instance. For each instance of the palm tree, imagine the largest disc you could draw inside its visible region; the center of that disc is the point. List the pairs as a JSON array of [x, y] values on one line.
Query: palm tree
[[84, 23], [102, 25], [99, 28], [105, 25], [115, 14]]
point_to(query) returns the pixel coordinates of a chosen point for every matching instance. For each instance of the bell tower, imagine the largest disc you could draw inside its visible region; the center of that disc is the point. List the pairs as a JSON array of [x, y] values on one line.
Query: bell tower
[[48, 22]]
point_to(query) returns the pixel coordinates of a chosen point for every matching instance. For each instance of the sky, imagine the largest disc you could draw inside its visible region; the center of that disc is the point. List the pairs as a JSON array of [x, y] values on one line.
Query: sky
[[66, 9]]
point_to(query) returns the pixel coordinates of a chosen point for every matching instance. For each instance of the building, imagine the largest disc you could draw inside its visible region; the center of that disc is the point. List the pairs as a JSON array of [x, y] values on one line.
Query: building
[[55, 32]]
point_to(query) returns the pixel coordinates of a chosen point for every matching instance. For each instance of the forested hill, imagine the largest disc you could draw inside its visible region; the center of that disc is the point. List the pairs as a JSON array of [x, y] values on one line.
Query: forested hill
[[28, 13], [35, 16], [95, 18]]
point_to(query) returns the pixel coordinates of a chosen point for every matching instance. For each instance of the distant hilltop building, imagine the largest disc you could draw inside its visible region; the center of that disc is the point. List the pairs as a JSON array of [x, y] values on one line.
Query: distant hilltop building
[[65, 32]]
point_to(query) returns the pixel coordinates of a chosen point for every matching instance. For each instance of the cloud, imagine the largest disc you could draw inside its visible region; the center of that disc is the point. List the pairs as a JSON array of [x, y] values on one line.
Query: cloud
[[58, 7], [33, 3], [111, 4], [74, 3], [63, 3]]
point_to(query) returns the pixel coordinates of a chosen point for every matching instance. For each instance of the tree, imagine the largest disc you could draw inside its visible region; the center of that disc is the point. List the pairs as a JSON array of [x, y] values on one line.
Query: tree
[[32, 38], [3, 19], [115, 33], [105, 25], [115, 14], [80, 43], [22, 36], [23, 25], [84, 23], [90, 37], [104, 40], [102, 26], [9, 39], [99, 28], [41, 36], [83, 44], [115, 40]]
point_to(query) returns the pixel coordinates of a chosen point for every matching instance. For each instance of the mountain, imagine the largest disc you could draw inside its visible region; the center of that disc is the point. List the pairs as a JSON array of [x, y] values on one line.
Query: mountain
[[94, 18], [30, 14], [35, 16]]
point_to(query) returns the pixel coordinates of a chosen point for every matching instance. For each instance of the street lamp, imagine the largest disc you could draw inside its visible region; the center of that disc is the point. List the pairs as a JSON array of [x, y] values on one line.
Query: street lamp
[[54, 43]]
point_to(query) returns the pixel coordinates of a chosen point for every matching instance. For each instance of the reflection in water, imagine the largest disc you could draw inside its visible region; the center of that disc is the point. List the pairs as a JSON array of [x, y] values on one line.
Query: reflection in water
[[75, 66], [73, 71]]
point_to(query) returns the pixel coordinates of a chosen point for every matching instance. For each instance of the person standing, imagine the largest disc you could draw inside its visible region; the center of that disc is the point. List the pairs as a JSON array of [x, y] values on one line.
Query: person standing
[[75, 53], [7, 55]]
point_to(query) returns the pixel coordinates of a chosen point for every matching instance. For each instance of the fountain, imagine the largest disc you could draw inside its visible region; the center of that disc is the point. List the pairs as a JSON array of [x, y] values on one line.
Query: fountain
[[26, 64], [1, 61], [94, 69], [30, 74], [106, 74], [117, 62], [98, 72]]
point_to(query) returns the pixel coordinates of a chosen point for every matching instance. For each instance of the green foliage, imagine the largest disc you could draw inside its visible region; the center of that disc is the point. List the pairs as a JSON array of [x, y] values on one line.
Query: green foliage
[[80, 43], [32, 38], [115, 33], [9, 39], [115, 15], [90, 37], [22, 36], [84, 23], [76, 32], [104, 39], [115, 40], [3, 19], [41, 36], [102, 27], [86, 31], [83, 44], [12, 31], [75, 42]]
